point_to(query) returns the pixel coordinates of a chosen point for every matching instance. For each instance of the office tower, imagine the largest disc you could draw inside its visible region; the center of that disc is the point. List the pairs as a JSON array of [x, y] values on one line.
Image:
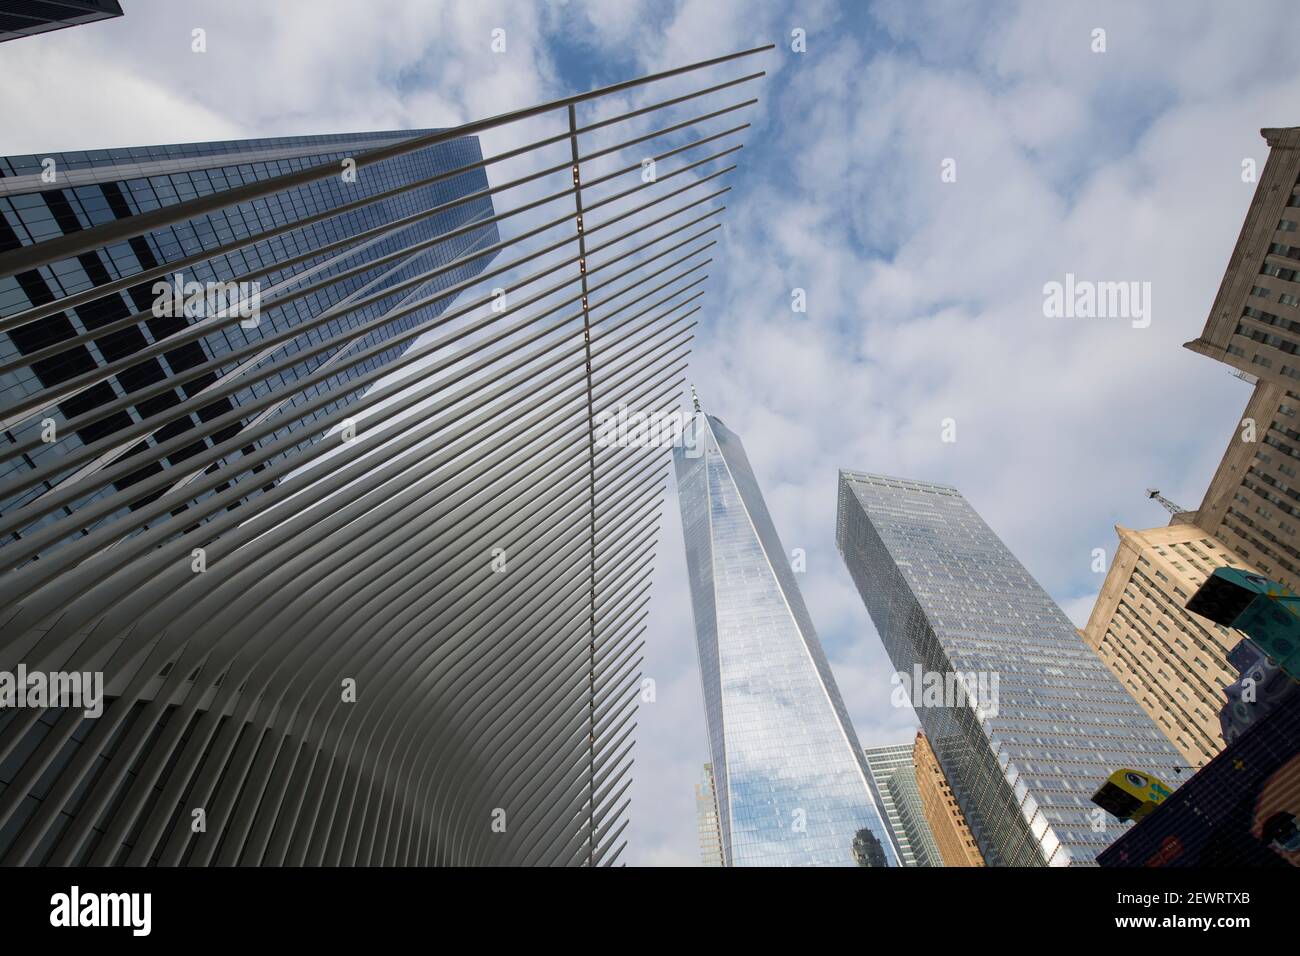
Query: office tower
[[906, 794], [1172, 662], [1240, 809], [953, 604], [425, 647], [1254, 318], [359, 250], [955, 843], [30, 17], [895, 779], [793, 786], [706, 812], [1250, 504], [1254, 327]]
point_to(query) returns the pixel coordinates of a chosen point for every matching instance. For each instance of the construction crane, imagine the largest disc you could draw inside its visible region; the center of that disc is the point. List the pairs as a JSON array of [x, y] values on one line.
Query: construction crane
[[1173, 509]]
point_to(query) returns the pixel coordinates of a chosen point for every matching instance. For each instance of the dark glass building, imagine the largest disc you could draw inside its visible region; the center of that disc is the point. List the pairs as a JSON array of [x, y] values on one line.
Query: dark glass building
[[26, 18], [42, 197], [1047, 722]]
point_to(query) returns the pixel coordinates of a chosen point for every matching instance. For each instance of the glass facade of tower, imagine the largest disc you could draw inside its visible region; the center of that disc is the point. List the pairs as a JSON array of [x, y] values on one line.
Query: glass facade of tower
[[33, 17], [905, 794], [793, 787], [895, 778], [43, 197], [946, 595]]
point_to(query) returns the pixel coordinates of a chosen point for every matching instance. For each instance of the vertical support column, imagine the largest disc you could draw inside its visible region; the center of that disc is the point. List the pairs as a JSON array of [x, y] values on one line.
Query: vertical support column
[[591, 452]]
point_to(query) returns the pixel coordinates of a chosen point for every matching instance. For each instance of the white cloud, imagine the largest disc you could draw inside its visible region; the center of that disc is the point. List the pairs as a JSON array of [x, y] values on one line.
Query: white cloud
[[925, 298]]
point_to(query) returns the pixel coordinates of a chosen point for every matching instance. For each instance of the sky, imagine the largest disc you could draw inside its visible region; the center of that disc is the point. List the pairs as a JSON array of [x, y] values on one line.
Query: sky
[[920, 170]]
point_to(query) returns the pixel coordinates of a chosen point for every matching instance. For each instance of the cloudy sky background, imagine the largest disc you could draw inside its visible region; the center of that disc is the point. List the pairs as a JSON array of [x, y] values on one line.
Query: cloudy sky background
[[924, 297]]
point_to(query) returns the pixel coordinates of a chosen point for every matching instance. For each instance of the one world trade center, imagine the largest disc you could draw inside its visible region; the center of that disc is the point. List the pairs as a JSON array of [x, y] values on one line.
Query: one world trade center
[[792, 784]]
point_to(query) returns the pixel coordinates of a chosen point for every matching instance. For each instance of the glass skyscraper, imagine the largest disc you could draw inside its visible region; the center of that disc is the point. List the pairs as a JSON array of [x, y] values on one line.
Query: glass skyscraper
[[34, 17], [947, 596], [905, 793], [793, 787], [43, 197], [895, 777]]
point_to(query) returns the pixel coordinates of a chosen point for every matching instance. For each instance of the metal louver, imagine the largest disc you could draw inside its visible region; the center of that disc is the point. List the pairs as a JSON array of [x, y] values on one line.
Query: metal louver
[[436, 532]]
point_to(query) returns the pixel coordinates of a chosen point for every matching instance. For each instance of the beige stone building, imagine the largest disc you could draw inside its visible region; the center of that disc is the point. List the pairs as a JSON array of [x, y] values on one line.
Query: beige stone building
[[956, 844], [1173, 662], [1253, 502], [1254, 324]]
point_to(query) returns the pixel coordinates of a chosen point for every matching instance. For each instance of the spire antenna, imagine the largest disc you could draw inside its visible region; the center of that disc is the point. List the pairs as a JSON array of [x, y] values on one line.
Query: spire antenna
[[695, 399]]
